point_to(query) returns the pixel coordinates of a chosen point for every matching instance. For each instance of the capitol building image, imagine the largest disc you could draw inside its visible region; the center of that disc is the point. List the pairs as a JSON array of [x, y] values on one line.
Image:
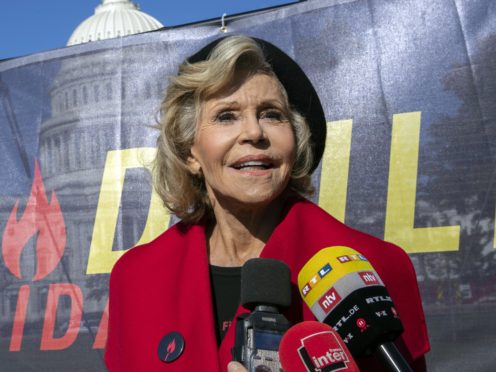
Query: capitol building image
[[100, 101]]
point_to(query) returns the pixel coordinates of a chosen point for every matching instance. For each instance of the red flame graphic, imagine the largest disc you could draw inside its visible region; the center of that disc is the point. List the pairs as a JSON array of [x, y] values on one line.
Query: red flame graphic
[[41, 217], [171, 347]]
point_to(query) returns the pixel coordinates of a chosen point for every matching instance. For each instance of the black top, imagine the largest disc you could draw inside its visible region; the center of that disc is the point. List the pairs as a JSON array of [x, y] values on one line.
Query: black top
[[226, 283]]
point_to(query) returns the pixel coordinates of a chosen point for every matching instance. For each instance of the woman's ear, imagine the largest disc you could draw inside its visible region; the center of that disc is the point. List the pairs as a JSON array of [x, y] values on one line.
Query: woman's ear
[[193, 165]]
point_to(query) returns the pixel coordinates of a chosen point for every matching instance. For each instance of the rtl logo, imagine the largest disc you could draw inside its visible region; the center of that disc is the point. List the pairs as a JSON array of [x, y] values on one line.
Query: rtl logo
[[326, 269], [351, 258]]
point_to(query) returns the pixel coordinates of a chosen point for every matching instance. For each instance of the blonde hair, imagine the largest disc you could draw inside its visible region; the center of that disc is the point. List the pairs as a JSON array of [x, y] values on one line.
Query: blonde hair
[[232, 60]]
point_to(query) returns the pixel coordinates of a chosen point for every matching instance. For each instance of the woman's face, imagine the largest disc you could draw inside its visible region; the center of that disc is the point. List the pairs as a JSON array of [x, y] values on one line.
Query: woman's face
[[245, 146]]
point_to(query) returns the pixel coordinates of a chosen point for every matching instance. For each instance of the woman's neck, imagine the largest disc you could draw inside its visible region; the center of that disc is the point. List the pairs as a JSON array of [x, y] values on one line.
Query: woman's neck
[[238, 235]]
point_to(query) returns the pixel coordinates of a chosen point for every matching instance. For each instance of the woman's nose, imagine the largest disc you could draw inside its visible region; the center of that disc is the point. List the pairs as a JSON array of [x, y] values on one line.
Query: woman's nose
[[252, 130]]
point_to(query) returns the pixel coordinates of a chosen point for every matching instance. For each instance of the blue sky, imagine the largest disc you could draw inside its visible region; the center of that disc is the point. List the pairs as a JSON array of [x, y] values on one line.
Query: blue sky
[[31, 26]]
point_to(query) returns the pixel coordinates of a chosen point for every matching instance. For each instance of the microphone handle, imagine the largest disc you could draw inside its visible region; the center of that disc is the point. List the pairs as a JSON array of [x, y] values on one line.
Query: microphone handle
[[392, 359]]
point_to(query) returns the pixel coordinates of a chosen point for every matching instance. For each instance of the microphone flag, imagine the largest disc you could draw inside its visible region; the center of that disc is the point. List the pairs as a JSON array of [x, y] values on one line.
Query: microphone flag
[[314, 347], [343, 290]]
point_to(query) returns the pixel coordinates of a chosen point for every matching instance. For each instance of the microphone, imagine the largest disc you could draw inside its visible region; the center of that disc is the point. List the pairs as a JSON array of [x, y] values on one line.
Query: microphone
[[343, 290], [314, 347], [265, 288]]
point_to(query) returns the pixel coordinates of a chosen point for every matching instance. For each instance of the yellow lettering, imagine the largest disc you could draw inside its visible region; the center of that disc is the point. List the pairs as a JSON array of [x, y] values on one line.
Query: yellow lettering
[[102, 258], [335, 166], [402, 187]]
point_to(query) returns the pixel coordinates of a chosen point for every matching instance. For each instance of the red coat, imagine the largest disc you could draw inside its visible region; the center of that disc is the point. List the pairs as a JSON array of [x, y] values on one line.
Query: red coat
[[164, 286]]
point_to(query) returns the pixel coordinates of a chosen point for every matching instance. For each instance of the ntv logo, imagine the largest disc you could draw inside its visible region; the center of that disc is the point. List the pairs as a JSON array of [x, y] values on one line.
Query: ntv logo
[[329, 300], [369, 277]]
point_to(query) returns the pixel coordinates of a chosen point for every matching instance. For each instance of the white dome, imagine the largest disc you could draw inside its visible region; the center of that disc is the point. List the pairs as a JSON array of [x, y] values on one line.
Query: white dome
[[113, 18]]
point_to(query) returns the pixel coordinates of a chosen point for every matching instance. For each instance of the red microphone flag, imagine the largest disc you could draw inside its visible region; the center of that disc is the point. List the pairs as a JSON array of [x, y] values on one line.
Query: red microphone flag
[[313, 346]]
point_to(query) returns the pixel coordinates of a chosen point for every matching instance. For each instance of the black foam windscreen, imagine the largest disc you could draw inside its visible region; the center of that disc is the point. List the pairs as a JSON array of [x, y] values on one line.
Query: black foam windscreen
[[265, 281]]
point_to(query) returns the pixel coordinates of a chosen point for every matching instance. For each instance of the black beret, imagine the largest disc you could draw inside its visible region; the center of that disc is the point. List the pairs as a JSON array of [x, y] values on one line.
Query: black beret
[[301, 93]]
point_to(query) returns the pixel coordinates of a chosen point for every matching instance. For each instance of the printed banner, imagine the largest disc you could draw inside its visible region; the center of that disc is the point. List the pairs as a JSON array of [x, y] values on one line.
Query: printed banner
[[409, 93]]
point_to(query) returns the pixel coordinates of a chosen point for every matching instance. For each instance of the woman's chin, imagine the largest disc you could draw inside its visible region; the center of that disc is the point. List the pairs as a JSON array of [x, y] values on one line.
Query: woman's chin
[[250, 200]]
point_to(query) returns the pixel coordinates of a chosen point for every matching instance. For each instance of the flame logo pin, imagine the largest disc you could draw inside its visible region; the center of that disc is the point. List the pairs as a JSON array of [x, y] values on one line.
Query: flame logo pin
[[171, 347]]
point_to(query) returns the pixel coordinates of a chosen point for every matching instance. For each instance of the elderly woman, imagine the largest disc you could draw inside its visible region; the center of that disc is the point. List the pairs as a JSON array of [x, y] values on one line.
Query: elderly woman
[[241, 131]]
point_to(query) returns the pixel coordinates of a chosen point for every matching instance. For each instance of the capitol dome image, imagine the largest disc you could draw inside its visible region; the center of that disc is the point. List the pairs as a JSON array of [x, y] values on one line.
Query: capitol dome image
[[113, 18]]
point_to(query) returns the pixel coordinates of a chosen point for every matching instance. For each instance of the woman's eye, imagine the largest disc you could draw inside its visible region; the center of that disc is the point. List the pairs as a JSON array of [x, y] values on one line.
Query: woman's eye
[[225, 116], [272, 115]]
